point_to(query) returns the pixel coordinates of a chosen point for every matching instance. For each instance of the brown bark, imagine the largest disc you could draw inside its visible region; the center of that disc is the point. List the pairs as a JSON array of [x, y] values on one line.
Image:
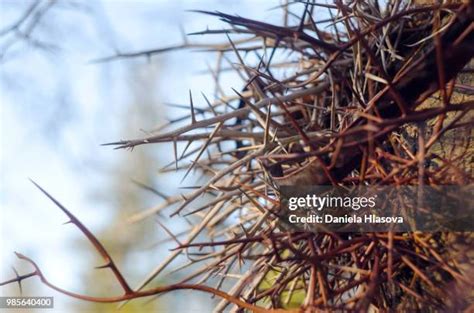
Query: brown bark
[[416, 83]]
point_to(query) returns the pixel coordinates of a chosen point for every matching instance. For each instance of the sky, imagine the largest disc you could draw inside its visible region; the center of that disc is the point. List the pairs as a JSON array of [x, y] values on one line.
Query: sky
[[58, 107]]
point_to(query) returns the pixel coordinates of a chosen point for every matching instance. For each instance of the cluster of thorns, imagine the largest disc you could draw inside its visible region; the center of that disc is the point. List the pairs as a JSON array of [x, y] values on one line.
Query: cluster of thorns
[[377, 93]]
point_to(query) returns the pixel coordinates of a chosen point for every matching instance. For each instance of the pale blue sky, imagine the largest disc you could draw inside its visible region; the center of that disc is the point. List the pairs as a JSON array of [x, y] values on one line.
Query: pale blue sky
[[57, 108]]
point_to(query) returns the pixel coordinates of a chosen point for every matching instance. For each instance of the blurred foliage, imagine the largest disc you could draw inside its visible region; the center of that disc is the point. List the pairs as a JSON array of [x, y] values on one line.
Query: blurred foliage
[[121, 238]]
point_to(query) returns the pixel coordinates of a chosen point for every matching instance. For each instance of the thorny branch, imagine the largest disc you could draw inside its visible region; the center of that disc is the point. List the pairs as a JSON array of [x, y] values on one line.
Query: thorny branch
[[128, 292], [378, 94]]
